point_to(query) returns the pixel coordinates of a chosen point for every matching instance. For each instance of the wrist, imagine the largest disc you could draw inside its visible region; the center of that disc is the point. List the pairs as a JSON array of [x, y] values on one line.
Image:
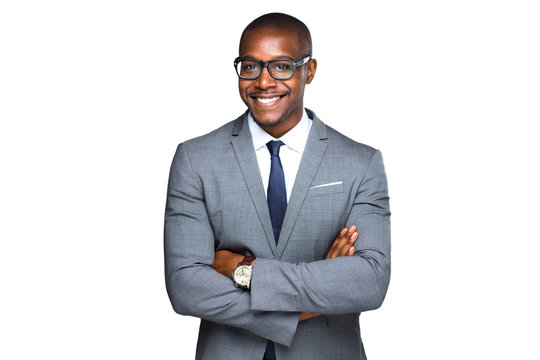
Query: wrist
[[242, 273], [233, 263]]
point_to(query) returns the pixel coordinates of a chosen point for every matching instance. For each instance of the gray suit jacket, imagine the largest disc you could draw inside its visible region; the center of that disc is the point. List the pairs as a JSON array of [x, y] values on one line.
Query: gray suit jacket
[[216, 200]]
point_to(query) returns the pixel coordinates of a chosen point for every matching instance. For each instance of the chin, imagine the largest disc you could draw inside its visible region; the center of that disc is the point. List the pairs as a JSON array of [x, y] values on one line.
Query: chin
[[263, 121]]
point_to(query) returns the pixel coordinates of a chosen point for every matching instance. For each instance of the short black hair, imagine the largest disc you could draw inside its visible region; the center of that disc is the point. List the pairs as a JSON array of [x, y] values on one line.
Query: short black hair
[[282, 21]]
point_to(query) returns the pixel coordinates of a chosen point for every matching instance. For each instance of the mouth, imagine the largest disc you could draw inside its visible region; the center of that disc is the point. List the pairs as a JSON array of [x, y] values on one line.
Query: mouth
[[266, 100]]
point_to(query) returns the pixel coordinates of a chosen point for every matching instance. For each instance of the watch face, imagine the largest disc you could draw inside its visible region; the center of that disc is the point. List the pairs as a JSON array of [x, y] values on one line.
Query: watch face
[[242, 275]]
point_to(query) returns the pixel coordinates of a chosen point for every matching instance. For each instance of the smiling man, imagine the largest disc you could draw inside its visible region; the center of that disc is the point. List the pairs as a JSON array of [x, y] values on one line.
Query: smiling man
[[277, 227], [275, 97]]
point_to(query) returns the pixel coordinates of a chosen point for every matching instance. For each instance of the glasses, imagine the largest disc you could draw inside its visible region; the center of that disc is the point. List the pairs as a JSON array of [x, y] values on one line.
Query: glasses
[[279, 69]]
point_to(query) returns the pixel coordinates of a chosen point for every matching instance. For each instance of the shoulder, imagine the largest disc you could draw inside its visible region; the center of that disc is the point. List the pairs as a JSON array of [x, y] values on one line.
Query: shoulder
[[341, 149], [353, 156], [354, 160], [340, 144]]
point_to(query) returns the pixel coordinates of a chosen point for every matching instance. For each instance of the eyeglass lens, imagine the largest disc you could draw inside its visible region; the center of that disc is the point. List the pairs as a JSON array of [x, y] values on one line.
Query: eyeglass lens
[[252, 69]]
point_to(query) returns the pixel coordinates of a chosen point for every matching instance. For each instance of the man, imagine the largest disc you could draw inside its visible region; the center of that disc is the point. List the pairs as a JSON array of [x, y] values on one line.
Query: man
[[296, 210]]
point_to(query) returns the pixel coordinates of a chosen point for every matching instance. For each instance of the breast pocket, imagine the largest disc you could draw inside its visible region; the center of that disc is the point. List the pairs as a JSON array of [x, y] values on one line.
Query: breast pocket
[[326, 189]]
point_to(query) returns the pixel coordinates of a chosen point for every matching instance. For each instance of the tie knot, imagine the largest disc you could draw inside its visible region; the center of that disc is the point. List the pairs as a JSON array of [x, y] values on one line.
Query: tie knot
[[273, 146]]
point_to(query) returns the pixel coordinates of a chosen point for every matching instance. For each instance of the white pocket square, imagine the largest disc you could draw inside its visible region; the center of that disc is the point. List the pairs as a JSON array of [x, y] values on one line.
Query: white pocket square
[[324, 185]]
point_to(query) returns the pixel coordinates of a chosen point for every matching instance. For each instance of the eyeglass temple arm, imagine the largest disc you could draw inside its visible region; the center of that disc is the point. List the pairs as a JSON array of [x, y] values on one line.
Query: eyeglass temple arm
[[302, 61]]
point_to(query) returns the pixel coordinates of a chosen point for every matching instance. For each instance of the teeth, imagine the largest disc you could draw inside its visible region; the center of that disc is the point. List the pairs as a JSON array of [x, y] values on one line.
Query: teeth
[[268, 100]]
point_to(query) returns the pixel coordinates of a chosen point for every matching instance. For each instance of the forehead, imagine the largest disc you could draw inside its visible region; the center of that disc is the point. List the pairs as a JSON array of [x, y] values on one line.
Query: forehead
[[268, 43]]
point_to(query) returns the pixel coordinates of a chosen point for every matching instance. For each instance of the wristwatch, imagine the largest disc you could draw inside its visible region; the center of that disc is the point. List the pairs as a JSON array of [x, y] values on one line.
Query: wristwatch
[[242, 273]]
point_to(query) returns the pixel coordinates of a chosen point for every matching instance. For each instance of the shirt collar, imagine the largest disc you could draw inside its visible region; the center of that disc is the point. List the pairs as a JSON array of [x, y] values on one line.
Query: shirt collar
[[295, 139]]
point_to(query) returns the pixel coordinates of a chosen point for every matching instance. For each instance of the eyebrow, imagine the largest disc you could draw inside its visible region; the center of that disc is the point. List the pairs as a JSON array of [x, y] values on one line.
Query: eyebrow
[[279, 57]]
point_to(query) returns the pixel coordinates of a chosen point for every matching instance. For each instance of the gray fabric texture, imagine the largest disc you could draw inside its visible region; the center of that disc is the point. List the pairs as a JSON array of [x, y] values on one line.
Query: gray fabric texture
[[216, 200]]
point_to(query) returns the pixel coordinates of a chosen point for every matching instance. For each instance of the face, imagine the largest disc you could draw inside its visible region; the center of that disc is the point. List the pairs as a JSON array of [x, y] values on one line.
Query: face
[[276, 105]]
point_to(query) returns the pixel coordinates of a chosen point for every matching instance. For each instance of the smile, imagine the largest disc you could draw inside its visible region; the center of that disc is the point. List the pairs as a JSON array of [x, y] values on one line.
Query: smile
[[267, 100]]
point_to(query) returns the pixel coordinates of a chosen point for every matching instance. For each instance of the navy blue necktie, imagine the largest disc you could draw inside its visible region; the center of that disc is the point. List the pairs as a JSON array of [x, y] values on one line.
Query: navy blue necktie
[[277, 193], [277, 204]]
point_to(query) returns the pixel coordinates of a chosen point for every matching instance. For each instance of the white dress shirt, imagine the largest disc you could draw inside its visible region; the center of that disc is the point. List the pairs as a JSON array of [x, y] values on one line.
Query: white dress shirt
[[290, 154]]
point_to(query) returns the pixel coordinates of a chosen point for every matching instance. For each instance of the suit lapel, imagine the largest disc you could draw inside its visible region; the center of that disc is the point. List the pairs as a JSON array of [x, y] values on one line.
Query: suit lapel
[[247, 160], [311, 159]]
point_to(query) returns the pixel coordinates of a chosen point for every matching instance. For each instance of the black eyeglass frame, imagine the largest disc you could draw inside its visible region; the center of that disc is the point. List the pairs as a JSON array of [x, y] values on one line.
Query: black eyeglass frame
[[266, 64]]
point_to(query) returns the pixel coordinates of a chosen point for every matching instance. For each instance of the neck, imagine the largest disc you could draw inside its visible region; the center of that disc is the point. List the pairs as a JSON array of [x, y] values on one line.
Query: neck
[[279, 130], [284, 126]]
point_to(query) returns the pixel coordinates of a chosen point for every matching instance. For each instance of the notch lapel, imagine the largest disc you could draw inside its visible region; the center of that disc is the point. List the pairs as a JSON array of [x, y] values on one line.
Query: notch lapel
[[311, 159], [242, 144]]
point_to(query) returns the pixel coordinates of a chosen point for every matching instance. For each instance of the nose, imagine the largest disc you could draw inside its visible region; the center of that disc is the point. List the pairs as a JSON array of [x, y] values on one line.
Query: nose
[[266, 80]]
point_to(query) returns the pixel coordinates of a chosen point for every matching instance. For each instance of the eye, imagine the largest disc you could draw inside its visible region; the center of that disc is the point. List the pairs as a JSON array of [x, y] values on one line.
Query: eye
[[283, 66], [249, 66]]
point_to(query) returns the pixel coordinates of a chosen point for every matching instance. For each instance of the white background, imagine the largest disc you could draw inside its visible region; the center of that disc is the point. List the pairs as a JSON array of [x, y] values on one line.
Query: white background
[[95, 96]]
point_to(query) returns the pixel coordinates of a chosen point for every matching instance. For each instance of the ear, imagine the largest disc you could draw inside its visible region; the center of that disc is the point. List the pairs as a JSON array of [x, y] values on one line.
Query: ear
[[311, 68]]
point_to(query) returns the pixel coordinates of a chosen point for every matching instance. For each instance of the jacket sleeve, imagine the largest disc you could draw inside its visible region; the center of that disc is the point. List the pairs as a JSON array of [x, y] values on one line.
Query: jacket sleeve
[[340, 285], [193, 286]]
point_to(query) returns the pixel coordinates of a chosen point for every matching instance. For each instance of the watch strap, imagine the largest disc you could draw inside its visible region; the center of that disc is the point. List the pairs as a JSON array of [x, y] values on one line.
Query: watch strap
[[247, 260]]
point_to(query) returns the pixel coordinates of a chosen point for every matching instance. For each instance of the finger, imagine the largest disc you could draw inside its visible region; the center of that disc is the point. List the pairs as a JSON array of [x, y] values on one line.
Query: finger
[[344, 251], [346, 242], [343, 241], [335, 242], [339, 244]]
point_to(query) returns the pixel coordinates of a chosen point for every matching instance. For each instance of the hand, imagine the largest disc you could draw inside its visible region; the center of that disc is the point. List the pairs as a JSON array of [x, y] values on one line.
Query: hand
[[307, 315], [343, 245], [225, 262]]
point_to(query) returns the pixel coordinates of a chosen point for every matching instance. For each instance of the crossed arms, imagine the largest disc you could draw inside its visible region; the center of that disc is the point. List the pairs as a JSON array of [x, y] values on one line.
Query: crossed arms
[[282, 293], [225, 261]]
